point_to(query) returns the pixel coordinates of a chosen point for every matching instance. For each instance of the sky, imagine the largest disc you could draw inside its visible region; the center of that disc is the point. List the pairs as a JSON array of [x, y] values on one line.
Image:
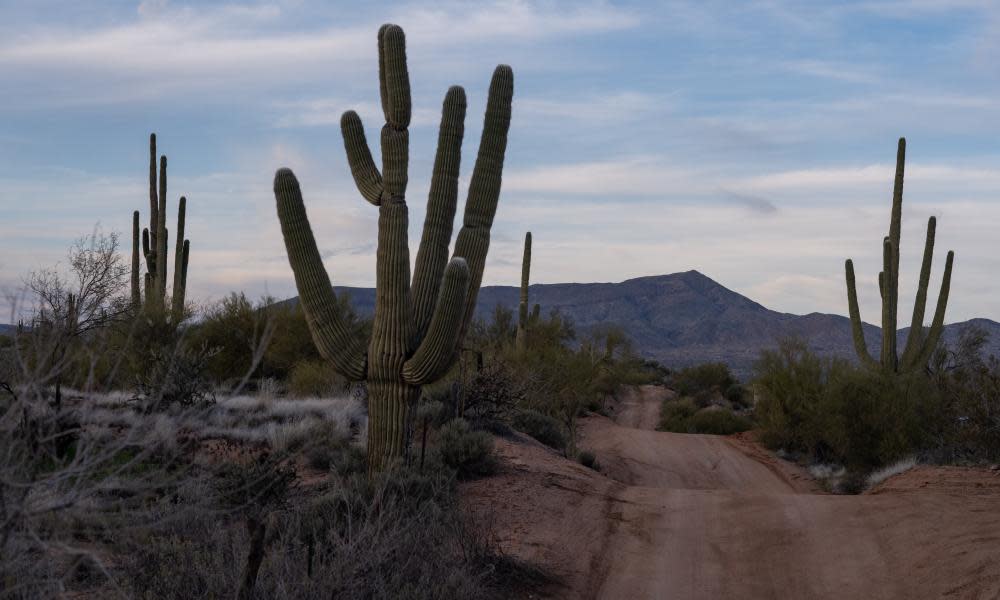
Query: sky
[[752, 141]]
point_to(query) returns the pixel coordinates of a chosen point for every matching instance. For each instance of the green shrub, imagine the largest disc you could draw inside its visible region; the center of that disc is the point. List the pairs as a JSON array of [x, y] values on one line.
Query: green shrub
[[330, 450], [835, 412], [543, 428], [684, 416], [469, 453], [736, 394], [869, 419], [791, 381], [315, 379], [718, 422], [701, 378], [674, 414]]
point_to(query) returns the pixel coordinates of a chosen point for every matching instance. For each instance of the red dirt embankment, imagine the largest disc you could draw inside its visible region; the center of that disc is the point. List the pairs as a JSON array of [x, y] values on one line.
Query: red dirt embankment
[[694, 516]]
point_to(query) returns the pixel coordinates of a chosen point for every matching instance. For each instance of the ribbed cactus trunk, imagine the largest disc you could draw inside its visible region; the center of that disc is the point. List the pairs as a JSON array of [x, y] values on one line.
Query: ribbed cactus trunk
[[152, 298], [521, 341], [418, 324], [919, 346]]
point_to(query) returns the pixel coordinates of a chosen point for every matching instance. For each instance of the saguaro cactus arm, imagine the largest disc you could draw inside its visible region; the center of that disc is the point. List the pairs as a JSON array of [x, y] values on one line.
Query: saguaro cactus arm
[[359, 157], [330, 334], [857, 328], [473, 239], [442, 200], [136, 290], [915, 340], [179, 250], [937, 325], [154, 205], [522, 307], [434, 356], [161, 236], [889, 298]]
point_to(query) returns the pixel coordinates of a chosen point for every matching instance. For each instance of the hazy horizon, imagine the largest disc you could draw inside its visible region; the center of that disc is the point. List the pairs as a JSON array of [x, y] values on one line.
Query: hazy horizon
[[755, 145]]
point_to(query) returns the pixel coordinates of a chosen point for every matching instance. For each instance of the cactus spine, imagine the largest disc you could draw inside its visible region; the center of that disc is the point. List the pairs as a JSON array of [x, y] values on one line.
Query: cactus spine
[[418, 325], [920, 344], [152, 297], [522, 309]]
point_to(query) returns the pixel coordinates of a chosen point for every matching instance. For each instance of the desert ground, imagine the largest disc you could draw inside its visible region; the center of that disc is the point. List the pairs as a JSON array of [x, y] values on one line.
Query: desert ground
[[700, 516]]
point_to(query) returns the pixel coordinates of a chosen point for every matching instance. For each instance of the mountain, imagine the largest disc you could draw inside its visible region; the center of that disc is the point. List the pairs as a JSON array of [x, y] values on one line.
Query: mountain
[[7, 330], [687, 318]]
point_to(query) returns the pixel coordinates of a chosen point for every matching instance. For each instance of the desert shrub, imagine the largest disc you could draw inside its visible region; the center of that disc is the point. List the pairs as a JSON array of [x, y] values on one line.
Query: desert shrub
[[791, 380], [967, 427], [401, 535], [718, 422], [836, 412], [588, 459], [329, 448], [701, 378], [469, 453], [736, 395], [542, 427], [674, 414], [268, 336], [868, 419], [493, 394], [176, 376], [314, 378], [684, 415]]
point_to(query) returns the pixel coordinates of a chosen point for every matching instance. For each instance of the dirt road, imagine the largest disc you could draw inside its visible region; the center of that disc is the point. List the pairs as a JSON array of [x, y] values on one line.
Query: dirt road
[[691, 516]]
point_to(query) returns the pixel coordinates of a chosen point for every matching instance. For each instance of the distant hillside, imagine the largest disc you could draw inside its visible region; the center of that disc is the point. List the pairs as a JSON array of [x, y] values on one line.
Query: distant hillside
[[7, 330], [686, 318]]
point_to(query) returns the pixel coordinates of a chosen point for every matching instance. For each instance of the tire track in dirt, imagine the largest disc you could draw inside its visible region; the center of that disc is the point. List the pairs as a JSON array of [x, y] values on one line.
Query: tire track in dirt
[[705, 517]]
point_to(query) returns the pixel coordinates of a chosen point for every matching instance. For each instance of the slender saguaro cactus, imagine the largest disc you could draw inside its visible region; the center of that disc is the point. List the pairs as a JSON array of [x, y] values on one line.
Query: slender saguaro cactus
[[418, 325], [919, 344], [522, 308], [154, 248]]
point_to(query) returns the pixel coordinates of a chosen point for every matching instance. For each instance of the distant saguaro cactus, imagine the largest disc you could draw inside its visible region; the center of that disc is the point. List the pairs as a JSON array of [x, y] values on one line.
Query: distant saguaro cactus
[[151, 296], [919, 344], [522, 308], [418, 325]]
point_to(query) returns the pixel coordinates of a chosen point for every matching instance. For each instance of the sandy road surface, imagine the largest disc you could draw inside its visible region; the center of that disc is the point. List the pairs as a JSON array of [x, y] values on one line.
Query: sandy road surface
[[690, 516]]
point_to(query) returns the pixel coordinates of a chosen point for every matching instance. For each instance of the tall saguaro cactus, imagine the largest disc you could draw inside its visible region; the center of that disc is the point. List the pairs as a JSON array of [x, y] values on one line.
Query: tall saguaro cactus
[[522, 308], [919, 344], [152, 297], [418, 324]]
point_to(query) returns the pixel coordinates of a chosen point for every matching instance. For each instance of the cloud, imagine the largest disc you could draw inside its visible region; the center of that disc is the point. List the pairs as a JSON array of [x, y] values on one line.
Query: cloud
[[757, 204], [838, 71]]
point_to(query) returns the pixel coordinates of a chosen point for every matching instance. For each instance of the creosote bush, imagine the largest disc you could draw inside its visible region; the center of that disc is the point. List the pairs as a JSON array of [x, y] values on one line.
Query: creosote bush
[[685, 416], [399, 535], [542, 427], [312, 378], [468, 452], [708, 377]]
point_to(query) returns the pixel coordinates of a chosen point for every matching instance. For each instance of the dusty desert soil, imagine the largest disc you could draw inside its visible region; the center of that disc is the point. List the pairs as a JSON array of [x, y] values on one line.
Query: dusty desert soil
[[693, 516]]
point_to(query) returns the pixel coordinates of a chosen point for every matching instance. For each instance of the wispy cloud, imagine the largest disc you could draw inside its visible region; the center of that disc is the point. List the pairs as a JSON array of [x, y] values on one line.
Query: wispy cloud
[[171, 50]]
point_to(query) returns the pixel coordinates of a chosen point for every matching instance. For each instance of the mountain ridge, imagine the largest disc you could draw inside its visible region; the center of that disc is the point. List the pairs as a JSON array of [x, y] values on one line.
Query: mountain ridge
[[686, 318], [682, 319]]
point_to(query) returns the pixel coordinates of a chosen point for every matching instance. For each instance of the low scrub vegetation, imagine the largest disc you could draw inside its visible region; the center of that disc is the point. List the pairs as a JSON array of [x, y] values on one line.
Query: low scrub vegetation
[[542, 386], [831, 411], [685, 416], [709, 400]]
